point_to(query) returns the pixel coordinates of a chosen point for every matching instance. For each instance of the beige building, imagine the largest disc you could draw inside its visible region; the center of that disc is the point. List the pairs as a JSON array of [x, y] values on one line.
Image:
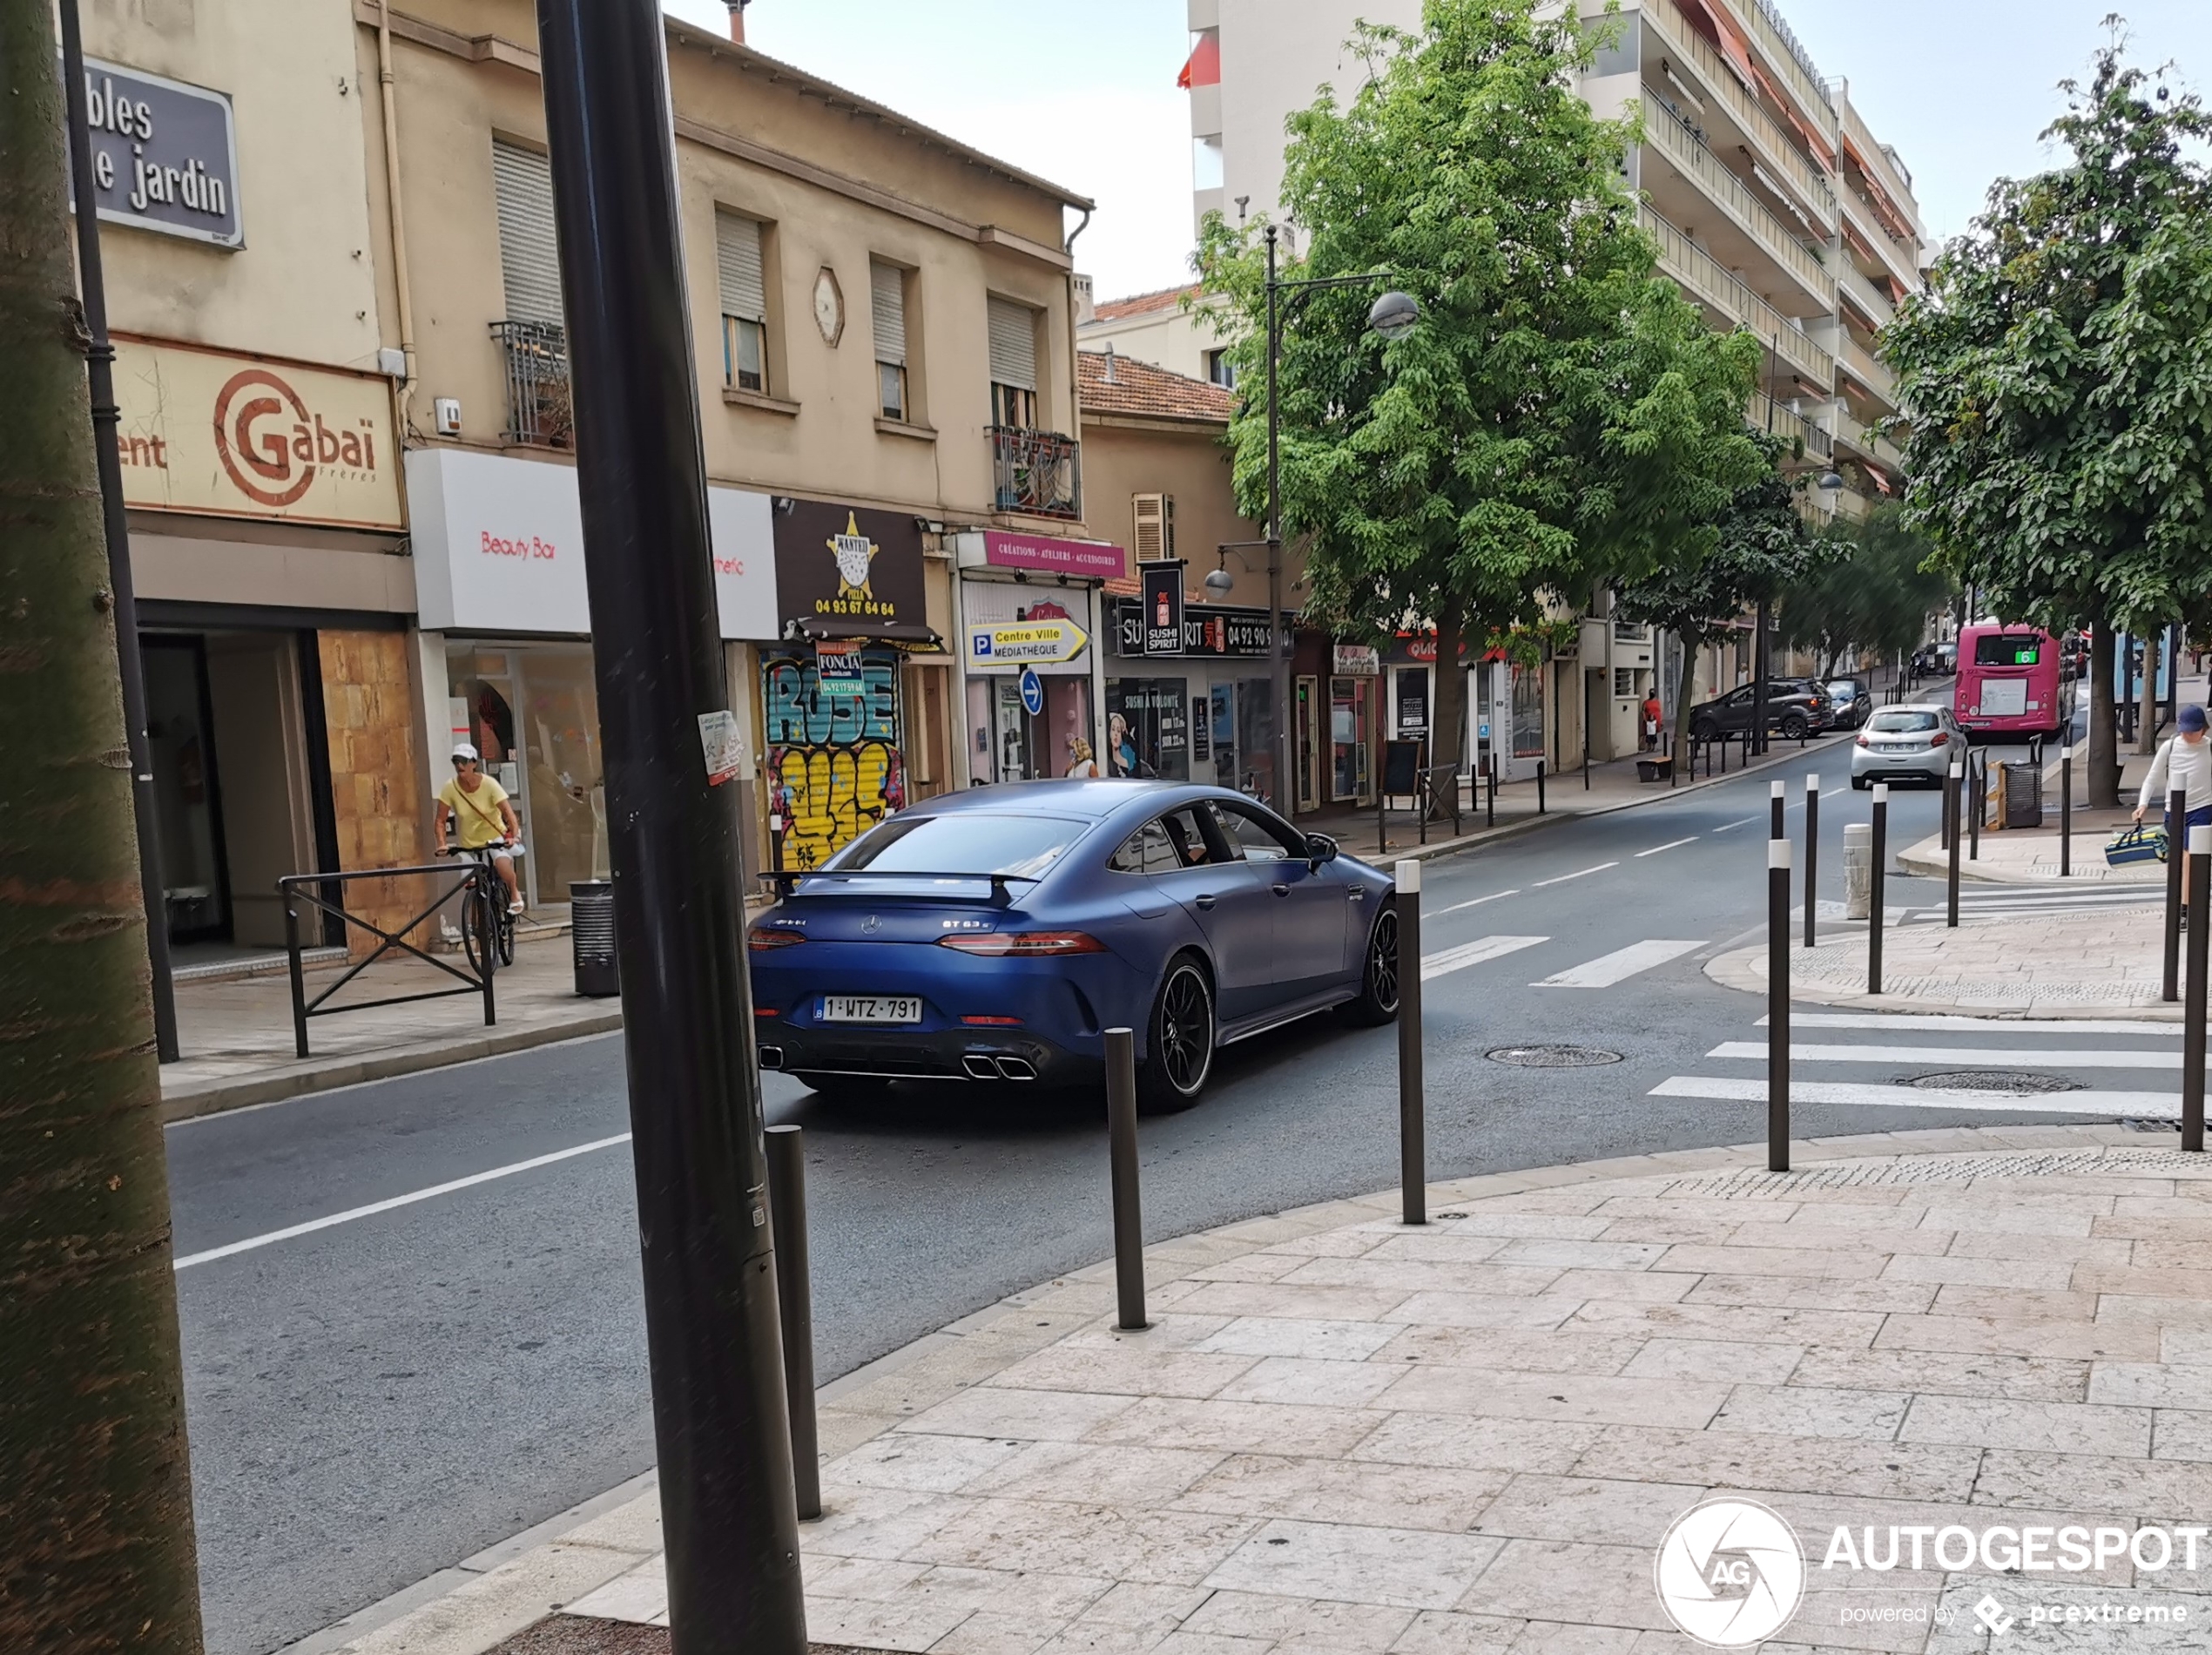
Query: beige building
[[1774, 206], [260, 461], [883, 323]]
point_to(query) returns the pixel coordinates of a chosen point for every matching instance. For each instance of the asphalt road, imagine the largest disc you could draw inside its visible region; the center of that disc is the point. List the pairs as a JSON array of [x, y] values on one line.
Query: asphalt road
[[375, 1400]]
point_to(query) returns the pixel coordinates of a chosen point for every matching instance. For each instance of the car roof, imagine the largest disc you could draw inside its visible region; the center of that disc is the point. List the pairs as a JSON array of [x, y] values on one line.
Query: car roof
[[1914, 706], [1085, 799]]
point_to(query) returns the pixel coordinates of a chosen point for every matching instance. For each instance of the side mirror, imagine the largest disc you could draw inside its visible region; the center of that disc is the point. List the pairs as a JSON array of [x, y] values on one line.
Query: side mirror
[[1319, 848]]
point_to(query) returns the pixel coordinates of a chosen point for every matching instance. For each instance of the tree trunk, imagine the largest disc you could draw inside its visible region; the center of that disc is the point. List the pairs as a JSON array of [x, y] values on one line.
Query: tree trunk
[[1688, 693], [1448, 723], [2104, 736], [95, 1492]]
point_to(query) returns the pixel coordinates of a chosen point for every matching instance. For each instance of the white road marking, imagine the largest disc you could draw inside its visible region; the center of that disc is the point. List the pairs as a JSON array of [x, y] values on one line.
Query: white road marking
[[1832, 792], [1578, 873], [1488, 948], [351, 1214], [1985, 1056], [2156, 1106], [1477, 903], [1906, 1020], [1744, 823], [1618, 966], [1670, 844]]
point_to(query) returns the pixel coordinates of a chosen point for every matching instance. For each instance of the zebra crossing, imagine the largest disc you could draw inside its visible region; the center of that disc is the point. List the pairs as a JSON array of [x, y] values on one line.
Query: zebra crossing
[[2043, 1067], [2018, 902]]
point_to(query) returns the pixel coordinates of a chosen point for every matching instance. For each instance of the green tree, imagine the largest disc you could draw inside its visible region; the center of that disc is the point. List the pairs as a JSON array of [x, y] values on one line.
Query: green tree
[[96, 1534], [1560, 417], [2059, 370], [1868, 587], [1759, 544]]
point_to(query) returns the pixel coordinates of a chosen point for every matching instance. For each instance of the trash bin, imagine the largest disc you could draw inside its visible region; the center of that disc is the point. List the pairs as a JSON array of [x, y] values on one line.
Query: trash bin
[[2021, 792], [591, 933]]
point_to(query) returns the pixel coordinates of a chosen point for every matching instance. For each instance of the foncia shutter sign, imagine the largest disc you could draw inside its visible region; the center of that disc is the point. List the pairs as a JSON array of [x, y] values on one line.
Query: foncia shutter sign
[[241, 437]]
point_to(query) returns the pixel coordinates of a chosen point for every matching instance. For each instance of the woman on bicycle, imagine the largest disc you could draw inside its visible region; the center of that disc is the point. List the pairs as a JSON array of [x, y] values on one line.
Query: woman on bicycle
[[480, 808]]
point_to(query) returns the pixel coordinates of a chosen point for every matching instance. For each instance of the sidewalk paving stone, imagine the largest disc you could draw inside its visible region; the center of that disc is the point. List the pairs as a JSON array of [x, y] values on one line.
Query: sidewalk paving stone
[[1379, 1480]]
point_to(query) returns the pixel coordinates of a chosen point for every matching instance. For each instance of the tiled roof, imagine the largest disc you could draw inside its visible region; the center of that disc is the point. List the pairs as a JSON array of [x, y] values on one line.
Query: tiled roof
[[1139, 388], [1143, 304]]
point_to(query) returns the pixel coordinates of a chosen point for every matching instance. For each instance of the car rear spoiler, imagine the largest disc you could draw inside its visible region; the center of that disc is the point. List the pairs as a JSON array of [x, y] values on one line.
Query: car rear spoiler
[[784, 879]]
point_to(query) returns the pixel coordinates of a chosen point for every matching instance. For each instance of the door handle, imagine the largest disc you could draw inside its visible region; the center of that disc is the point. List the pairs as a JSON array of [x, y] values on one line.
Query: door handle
[[1358, 894], [1280, 890], [1205, 899]]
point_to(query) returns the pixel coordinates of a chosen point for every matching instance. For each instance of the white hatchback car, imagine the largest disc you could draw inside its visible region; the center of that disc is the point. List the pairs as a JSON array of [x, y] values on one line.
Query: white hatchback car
[[1913, 743]]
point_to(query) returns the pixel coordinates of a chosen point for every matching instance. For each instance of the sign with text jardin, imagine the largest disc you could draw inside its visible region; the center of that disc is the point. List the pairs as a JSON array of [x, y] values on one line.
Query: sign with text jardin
[[165, 154]]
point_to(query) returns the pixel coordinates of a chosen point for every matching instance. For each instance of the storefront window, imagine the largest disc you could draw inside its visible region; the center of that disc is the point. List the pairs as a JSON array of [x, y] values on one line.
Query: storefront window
[[1148, 732], [1256, 737], [533, 712], [1527, 713], [1348, 719]]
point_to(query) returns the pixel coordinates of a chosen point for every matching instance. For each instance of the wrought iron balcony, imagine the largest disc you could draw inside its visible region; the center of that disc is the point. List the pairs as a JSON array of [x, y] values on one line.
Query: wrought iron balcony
[[539, 409], [1038, 473]]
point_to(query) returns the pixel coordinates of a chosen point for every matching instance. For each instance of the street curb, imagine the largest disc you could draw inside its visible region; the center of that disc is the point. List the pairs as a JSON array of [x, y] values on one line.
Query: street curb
[[477, 1611], [1740, 969], [191, 1102], [1937, 865]]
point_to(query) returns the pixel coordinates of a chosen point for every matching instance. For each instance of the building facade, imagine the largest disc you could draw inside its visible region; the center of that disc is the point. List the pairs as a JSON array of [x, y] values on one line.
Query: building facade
[[883, 327]]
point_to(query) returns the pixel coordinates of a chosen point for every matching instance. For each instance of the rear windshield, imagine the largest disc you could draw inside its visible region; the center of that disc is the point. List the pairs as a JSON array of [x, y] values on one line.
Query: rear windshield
[[969, 841], [1904, 723], [2008, 649], [1843, 686]]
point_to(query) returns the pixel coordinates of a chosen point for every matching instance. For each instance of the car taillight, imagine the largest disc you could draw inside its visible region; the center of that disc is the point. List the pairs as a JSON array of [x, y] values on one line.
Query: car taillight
[[1940, 739], [1864, 742], [760, 941], [998, 944]]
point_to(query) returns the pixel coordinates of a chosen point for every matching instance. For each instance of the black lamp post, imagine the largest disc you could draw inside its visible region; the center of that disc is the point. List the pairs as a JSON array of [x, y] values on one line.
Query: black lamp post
[[1393, 317]]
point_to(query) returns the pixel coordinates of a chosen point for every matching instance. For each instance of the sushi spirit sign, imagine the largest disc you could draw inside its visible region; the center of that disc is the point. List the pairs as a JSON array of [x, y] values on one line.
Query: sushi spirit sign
[[165, 154]]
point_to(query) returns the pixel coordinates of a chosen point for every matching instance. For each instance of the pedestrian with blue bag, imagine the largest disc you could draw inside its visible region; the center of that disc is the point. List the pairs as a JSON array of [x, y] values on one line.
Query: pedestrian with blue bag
[[2184, 764]]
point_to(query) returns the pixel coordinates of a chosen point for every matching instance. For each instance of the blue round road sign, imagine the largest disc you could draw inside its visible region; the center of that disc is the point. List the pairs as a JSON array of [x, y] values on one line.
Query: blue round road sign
[[1032, 691]]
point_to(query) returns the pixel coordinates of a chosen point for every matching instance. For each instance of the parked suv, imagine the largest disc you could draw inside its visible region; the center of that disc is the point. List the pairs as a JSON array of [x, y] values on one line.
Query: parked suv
[[1795, 707]]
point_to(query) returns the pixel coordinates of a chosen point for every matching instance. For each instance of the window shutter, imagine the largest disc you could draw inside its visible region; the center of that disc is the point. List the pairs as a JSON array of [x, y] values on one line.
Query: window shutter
[[529, 258], [737, 249], [1155, 515], [887, 288], [1014, 344]]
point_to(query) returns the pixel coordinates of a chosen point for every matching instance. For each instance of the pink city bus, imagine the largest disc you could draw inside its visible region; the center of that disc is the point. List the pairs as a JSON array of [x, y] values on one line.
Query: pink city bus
[[2008, 681]]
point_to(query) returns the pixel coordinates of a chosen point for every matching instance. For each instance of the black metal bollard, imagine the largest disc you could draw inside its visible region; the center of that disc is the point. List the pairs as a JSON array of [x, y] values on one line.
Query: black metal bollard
[[1777, 1033], [2177, 812], [2066, 810], [1539, 786], [1812, 854], [1951, 789], [1490, 793], [1121, 1135], [2200, 855], [1412, 1124], [1977, 788], [795, 1304], [1777, 806], [1874, 915]]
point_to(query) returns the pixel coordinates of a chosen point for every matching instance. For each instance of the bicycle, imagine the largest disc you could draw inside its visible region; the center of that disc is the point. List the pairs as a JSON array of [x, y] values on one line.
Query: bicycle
[[487, 928]]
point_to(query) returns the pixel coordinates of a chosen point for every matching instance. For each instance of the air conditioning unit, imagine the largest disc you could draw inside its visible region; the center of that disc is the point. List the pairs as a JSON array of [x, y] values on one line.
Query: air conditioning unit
[[1155, 515], [445, 413]]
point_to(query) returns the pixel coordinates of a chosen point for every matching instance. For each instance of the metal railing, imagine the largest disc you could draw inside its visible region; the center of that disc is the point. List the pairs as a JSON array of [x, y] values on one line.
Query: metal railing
[[1893, 254], [1878, 158], [1709, 280], [1780, 46], [1775, 145], [1870, 296], [1861, 365], [1768, 414], [318, 893], [1036, 472], [1674, 135], [539, 408]]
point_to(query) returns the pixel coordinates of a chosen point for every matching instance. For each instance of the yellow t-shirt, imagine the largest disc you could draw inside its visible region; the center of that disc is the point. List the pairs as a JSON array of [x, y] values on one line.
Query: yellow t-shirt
[[478, 819]]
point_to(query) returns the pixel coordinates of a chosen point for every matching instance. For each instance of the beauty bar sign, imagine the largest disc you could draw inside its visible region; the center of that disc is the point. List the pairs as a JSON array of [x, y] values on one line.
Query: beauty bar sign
[[165, 154]]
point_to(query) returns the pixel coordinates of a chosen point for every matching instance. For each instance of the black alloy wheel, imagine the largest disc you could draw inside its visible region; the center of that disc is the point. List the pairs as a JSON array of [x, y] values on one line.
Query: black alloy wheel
[[1795, 727], [1179, 1054], [1378, 1000]]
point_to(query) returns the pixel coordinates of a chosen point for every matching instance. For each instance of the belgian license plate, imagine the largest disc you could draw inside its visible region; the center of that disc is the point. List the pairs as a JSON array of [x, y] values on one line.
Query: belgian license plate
[[871, 1008]]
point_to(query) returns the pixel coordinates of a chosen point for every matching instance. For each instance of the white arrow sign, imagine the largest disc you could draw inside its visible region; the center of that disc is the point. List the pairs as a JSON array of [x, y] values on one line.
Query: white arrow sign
[[1026, 643]]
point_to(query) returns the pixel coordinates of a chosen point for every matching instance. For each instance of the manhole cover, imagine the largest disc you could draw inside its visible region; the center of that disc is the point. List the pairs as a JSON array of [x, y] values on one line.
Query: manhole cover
[[1553, 1056], [2010, 1081]]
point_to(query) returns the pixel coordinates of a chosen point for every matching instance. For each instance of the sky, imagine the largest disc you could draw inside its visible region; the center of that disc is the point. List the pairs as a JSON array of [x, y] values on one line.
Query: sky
[[1960, 88]]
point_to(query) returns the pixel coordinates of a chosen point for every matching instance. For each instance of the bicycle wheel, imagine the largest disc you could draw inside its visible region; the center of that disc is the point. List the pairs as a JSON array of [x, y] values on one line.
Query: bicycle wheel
[[504, 925], [481, 930]]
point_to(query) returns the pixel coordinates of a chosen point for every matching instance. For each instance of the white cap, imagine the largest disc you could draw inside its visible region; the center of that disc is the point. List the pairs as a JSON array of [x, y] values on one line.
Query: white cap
[[1409, 877], [2200, 842], [1881, 792], [1958, 768], [1777, 853], [1776, 790], [1812, 784], [466, 750]]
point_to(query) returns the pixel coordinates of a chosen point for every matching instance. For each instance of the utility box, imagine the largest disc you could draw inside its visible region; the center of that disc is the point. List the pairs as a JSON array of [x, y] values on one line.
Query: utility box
[[2019, 794], [591, 933]]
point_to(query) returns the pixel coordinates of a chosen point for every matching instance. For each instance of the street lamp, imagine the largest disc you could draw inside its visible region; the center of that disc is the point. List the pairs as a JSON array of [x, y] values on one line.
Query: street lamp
[[1393, 317], [1830, 480]]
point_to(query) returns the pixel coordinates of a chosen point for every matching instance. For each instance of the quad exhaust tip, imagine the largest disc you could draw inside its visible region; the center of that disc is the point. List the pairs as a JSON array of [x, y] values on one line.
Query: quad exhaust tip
[[1017, 1069], [980, 1068], [771, 1056], [983, 1066]]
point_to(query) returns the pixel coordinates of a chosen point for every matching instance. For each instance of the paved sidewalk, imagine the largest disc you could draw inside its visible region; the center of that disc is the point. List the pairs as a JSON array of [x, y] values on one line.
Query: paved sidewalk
[[236, 1032], [2040, 965], [1342, 1435]]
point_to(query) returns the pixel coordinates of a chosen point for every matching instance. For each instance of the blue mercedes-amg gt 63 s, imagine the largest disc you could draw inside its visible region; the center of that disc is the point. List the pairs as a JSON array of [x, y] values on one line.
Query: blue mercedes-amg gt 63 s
[[996, 934]]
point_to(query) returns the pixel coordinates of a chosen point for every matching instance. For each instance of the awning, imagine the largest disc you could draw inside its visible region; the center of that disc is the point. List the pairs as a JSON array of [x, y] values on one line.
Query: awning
[[816, 629], [1203, 68], [1879, 480], [1734, 47]]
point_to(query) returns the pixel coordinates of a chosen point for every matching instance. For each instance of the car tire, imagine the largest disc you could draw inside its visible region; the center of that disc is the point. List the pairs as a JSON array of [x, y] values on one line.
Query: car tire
[[1859, 784], [1178, 1039], [1795, 728], [1704, 729], [1378, 1000], [844, 1090]]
